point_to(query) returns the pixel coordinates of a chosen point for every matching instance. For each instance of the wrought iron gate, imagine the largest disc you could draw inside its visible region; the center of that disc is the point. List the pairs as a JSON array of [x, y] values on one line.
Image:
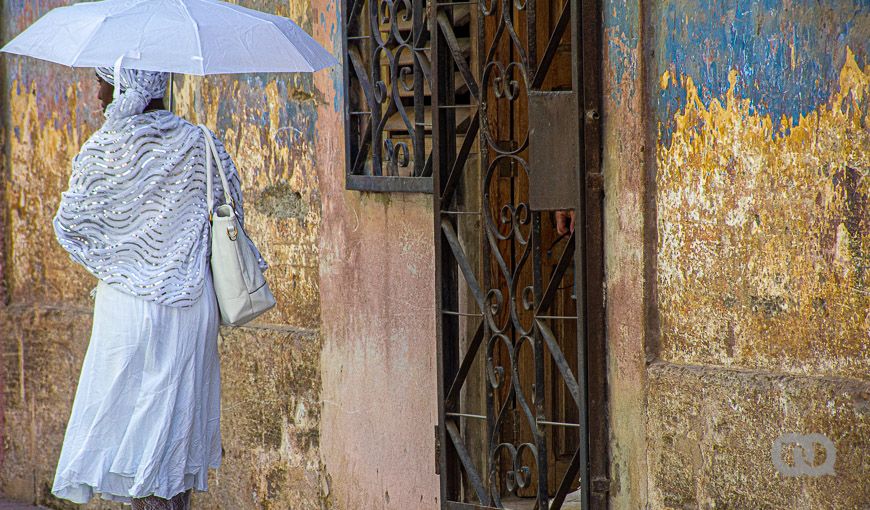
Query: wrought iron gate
[[515, 128]]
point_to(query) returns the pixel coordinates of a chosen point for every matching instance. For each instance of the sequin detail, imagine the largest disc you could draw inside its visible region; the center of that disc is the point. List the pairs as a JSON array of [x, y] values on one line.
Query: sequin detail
[[135, 212]]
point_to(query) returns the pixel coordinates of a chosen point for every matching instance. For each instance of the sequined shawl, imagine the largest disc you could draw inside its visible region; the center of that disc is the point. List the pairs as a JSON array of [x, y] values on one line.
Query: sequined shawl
[[135, 213]]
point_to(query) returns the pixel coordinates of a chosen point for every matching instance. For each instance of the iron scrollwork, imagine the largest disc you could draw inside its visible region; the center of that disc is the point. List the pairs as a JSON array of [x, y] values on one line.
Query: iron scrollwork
[[526, 349], [387, 82]]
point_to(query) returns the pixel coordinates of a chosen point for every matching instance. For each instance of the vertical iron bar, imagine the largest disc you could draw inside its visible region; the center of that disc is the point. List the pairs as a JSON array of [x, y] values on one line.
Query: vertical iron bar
[[447, 326], [532, 36], [171, 95], [508, 15], [486, 265], [345, 67], [419, 80], [494, 409], [540, 379], [377, 107], [579, 254], [590, 30]]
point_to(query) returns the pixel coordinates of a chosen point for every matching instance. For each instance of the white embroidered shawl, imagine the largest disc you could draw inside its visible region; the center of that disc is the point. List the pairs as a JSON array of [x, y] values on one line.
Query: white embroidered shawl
[[135, 211]]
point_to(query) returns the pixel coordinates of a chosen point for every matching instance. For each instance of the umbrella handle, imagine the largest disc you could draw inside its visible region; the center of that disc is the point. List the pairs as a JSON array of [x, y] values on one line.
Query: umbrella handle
[[171, 95], [117, 72]]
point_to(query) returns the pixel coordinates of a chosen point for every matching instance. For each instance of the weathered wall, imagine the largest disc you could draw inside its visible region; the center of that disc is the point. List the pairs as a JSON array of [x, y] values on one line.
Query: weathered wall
[[378, 369], [378, 364], [46, 115], [759, 117], [623, 162], [377, 288], [271, 370]]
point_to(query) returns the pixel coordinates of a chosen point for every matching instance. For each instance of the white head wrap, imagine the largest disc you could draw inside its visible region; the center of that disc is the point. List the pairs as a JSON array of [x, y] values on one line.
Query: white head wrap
[[135, 212], [137, 88]]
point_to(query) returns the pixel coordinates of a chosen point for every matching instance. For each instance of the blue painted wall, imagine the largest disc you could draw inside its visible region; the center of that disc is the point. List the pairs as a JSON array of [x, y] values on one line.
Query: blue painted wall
[[788, 53]]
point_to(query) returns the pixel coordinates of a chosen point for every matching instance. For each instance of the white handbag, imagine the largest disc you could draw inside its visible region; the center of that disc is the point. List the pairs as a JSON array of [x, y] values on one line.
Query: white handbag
[[242, 291]]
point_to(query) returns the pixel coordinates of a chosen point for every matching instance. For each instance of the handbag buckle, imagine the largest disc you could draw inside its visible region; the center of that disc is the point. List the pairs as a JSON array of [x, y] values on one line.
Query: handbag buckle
[[232, 232]]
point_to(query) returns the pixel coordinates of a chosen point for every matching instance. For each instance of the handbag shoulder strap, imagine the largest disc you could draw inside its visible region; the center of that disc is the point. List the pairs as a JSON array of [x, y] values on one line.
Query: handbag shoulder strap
[[211, 152]]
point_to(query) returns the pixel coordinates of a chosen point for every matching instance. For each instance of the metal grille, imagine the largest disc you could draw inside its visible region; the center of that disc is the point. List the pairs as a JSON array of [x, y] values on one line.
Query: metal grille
[[521, 353], [387, 109]]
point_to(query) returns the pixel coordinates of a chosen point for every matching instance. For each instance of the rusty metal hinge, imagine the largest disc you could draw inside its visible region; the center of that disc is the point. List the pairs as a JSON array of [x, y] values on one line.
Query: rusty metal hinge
[[437, 450]]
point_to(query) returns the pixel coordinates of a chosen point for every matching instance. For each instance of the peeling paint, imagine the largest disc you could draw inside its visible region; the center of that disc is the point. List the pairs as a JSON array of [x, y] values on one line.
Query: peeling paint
[[764, 233], [624, 152], [760, 194], [48, 134], [622, 44], [787, 52], [268, 124]]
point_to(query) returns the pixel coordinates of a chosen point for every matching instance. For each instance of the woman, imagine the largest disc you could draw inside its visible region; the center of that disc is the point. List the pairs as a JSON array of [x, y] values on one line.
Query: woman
[[145, 422]]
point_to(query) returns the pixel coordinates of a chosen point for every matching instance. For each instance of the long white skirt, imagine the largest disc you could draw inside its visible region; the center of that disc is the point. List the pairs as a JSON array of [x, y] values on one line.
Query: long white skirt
[[146, 415]]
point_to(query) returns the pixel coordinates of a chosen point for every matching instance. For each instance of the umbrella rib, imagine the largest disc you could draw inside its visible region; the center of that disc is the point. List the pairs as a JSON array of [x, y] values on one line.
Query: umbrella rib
[[304, 58], [198, 40], [243, 13], [85, 44], [94, 31]]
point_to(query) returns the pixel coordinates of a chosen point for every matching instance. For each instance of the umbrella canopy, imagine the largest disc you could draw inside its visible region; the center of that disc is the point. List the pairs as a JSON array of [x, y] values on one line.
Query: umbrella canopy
[[197, 37]]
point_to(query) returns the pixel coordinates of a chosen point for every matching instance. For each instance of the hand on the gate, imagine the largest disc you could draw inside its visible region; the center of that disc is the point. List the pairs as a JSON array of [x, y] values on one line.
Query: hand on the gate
[[565, 221]]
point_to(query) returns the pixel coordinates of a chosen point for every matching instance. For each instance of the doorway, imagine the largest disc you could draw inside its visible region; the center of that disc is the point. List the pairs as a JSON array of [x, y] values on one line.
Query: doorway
[[521, 352]]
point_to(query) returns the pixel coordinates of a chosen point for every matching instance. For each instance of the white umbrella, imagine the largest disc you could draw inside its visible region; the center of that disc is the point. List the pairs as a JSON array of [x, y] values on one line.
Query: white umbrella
[[183, 36]]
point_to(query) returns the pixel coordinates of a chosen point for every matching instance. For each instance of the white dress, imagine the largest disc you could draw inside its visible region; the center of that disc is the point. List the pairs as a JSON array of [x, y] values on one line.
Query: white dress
[[146, 415]]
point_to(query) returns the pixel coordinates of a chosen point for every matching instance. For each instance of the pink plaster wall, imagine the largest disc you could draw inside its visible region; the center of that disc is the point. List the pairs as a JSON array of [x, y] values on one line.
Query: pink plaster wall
[[378, 368], [378, 365]]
